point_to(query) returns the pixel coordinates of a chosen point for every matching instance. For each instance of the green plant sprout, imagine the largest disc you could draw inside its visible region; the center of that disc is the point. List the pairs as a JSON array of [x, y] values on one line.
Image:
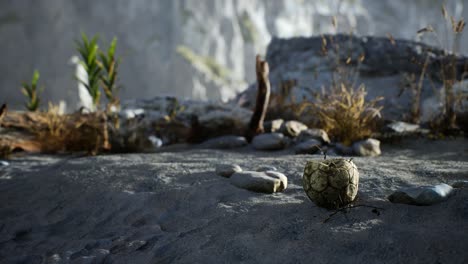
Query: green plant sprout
[[31, 92], [109, 66], [88, 49]]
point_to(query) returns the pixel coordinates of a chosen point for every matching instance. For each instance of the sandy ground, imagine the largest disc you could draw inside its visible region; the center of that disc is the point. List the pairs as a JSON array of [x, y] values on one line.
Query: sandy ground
[[173, 208]]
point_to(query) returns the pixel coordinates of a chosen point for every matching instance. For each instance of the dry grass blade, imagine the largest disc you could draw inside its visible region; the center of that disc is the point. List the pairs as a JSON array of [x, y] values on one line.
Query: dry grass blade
[[444, 12], [324, 45], [392, 40], [425, 30], [334, 22], [458, 26], [362, 57]]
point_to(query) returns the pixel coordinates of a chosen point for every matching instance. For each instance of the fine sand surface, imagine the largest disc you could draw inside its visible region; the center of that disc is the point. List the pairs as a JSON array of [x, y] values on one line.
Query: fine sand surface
[[172, 208]]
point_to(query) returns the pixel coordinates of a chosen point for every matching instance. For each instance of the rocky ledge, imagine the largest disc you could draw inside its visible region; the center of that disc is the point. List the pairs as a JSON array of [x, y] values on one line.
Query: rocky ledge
[[301, 67]]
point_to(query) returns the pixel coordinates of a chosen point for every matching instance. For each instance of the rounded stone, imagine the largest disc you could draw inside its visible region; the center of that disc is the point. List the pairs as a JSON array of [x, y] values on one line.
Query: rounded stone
[[226, 170], [331, 183], [269, 141], [292, 128]]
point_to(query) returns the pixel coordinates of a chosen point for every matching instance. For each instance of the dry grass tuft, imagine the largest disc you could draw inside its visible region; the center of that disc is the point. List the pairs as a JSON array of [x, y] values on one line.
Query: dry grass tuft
[[447, 123], [5, 151], [344, 113], [70, 133], [54, 132]]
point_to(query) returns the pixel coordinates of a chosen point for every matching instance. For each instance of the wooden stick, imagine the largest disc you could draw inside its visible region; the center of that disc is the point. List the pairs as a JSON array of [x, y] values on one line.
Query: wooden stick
[[263, 97]]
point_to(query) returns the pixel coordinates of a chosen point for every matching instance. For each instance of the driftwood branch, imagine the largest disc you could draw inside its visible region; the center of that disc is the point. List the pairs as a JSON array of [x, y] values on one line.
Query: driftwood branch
[[263, 96]]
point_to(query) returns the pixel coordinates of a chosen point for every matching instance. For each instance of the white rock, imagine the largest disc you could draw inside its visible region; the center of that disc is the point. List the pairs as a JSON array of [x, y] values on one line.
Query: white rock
[[368, 147], [226, 170], [265, 182], [132, 113], [292, 128], [269, 141], [157, 142], [273, 125], [4, 163], [280, 176], [423, 195], [403, 127]]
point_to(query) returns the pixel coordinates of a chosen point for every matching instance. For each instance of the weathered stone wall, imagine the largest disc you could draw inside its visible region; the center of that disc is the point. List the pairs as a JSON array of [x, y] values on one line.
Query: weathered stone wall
[[192, 49]]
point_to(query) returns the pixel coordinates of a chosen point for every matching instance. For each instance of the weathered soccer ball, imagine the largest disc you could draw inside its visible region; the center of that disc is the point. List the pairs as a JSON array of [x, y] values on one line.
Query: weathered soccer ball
[[331, 183]]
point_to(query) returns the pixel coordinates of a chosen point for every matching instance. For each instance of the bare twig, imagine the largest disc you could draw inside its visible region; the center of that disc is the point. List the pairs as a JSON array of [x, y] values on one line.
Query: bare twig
[[417, 89], [323, 152], [3, 111], [263, 96], [344, 209]]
